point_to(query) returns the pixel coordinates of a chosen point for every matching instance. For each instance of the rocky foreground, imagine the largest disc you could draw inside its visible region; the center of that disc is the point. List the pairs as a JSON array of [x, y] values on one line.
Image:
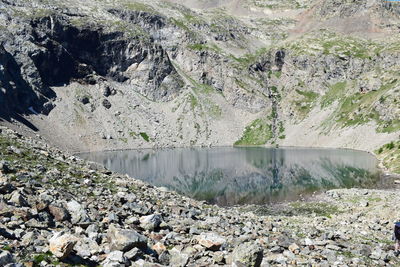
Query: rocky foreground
[[58, 210]]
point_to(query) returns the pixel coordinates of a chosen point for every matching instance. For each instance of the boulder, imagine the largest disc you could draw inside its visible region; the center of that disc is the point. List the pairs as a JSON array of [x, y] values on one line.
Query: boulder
[[247, 254], [59, 214], [151, 222], [124, 240], [211, 241], [115, 258], [159, 247], [106, 104], [18, 199], [78, 213], [6, 258], [61, 244], [177, 258]]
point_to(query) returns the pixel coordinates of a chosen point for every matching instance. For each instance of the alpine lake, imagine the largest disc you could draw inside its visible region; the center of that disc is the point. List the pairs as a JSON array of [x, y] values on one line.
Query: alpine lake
[[229, 176]]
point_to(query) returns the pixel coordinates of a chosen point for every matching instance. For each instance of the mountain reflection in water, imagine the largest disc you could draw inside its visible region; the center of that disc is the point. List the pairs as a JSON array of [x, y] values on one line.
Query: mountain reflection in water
[[244, 175]]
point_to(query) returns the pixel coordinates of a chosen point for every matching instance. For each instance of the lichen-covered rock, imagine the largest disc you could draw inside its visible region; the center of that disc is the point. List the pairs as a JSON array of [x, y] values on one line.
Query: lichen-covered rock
[[248, 254]]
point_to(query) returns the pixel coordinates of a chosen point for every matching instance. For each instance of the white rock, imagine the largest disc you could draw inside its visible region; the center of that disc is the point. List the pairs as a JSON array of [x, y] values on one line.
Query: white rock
[[62, 245]]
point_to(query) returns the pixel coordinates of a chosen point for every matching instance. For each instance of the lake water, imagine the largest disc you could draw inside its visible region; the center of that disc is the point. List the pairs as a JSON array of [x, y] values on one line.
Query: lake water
[[244, 175]]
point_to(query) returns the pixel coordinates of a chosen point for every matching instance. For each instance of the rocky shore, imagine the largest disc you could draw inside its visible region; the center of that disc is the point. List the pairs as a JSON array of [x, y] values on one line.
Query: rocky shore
[[58, 210]]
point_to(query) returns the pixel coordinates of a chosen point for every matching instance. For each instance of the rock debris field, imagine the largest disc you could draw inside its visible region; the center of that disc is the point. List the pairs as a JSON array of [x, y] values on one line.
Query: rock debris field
[[59, 210]]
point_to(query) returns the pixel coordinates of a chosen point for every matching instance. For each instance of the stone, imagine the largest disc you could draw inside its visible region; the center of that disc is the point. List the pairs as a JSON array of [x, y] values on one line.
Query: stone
[[294, 248], [150, 222], [106, 91], [5, 167], [159, 247], [211, 241], [83, 99], [93, 228], [6, 258], [106, 104], [308, 242], [59, 214], [124, 239], [249, 254], [133, 253], [114, 257], [18, 199], [61, 244], [78, 213], [177, 258], [86, 247]]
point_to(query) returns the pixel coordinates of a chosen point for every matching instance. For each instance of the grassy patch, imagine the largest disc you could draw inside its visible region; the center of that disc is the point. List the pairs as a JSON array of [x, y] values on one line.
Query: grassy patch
[[335, 92], [359, 108], [389, 154], [317, 208], [259, 132], [306, 102], [193, 101], [248, 59], [205, 47], [329, 43], [139, 7]]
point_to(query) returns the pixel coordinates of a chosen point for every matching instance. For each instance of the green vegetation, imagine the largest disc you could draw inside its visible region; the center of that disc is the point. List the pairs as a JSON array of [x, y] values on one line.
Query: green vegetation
[[203, 47], [211, 108], [335, 92], [248, 59], [48, 257], [330, 43], [145, 136], [136, 6], [133, 134], [317, 208], [193, 101], [389, 154], [359, 108], [306, 102], [281, 130], [30, 158], [259, 132]]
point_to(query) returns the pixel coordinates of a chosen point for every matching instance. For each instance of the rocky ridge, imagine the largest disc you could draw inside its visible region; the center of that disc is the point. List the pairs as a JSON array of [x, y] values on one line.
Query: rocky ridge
[[57, 209]]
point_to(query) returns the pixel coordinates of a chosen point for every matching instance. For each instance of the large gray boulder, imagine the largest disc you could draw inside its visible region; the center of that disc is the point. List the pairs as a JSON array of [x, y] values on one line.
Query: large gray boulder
[[247, 254], [124, 240]]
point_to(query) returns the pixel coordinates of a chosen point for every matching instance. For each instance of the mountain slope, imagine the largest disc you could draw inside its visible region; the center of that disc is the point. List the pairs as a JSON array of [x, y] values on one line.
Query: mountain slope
[[126, 74]]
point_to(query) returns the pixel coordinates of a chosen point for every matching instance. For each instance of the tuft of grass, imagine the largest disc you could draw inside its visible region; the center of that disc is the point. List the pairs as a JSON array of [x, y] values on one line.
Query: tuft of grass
[[145, 136], [259, 132]]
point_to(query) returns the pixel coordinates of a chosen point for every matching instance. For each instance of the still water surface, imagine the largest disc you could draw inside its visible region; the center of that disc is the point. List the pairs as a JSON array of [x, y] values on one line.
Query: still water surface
[[244, 175]]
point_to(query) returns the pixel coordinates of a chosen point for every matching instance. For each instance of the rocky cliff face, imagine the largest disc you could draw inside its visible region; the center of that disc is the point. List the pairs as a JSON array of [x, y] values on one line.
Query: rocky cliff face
[[134, 74]]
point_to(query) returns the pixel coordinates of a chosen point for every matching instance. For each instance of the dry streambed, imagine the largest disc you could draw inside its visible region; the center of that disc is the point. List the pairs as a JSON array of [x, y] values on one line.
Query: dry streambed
[[57, 209]]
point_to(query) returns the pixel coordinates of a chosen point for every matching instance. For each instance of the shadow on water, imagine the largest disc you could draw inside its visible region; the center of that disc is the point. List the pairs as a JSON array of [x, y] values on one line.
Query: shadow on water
[[233, 176]]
